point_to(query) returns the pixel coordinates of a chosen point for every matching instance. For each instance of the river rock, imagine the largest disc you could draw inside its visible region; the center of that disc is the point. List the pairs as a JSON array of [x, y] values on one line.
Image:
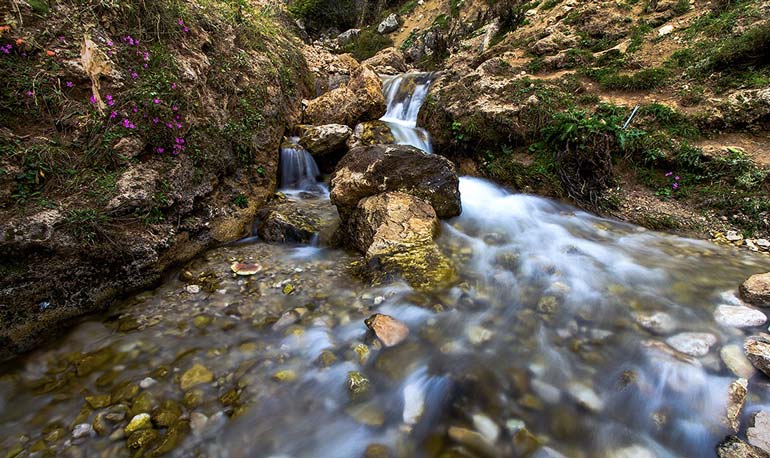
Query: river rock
[[82, 430], [632, 451], [395, 231], [324, 141], [656, 322], [733, 357], [692, 343], [585, 396], [473, 441], [348, 36], [757, 350], [388, 25], [736, 398], [756, 290], [371, 170], [739, 316], [360, 100], [284, 222], [198, 374], [389, 61], [388, 329], [139, 422], [733, 447], [759, 433], [358, 385]]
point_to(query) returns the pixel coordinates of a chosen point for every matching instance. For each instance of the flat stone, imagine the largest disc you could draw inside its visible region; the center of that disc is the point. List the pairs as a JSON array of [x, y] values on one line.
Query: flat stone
[[759, 433], [585, 397], [692, 343], [245, 268], [196, 375], [656, 322], [735, 360], [739, 316], [388, 329]]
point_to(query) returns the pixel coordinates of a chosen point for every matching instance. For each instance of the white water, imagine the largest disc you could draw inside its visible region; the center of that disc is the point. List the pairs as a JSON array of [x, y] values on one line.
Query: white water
[[404, 95], [299, 171]]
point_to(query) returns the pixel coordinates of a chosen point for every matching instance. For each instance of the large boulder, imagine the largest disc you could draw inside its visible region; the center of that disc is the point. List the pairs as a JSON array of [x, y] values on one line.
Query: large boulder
[[360, 100], [759, 432], [283, 222], [396, 233], [389, 61], [756, 290], [327, 143], [369, 170], [733, 447]]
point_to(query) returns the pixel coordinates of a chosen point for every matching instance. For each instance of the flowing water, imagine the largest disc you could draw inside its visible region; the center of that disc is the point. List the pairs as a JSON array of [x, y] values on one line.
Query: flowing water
[[299, 171], [541, 348], [404, 95]]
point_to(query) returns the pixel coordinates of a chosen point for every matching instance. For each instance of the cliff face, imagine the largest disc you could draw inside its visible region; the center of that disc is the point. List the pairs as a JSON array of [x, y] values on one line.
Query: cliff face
[[132, 138]]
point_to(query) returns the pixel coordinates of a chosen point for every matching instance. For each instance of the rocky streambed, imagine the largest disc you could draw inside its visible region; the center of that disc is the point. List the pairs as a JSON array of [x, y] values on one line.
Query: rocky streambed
[[564, 334]]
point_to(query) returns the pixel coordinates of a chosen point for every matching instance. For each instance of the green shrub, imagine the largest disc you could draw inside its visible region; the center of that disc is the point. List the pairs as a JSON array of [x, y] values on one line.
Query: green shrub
[[647, 79], [320, 14], [752, 48], [367, 44]]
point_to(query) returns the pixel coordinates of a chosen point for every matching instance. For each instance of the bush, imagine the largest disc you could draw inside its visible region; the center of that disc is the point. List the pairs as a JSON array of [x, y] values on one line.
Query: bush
[[750, 48], [368, 44], [647, 79]]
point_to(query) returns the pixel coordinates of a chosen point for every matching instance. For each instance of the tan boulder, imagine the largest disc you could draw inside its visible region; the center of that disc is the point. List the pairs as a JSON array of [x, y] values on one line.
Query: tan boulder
[[756, 290], [361, 100]]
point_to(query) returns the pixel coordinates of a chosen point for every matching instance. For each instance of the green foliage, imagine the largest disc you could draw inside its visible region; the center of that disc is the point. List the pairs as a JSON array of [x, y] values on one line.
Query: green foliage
[[751, 48], [682, 6], [367, 44], [612, 79], [241, 201], [549, 4], [320, 14], [86, 224]]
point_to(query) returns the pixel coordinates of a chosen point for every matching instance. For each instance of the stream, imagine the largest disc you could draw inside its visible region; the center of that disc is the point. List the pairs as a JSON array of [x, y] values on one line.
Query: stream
[[556, 341]]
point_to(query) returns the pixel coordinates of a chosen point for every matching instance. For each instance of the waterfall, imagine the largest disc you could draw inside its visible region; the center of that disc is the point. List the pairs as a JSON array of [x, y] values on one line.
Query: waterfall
[[404, 95], [299, 171]]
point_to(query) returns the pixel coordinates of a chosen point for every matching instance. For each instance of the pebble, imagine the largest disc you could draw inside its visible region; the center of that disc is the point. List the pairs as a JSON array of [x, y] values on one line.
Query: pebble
[[585, 396], [139, 422], [193, 289], [692, 343], [82, 430], [656, 322], [147, 383], [733, 357], [487, 427], [198, 422], [739, 316]]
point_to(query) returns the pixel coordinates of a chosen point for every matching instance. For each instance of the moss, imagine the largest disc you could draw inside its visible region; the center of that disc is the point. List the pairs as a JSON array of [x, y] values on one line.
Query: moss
[[423, 266]]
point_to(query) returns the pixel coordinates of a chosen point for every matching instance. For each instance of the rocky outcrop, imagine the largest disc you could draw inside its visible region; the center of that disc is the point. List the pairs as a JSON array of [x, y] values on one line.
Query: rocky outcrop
[[329, 71], [389, 61], [759, 433], [370, 170], [756, 290], [360, 100], [733, 447]]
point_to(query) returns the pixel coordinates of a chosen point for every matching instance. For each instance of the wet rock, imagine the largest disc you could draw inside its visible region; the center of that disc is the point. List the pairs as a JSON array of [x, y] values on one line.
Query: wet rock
[[736, 398], [486, 427], [198, 423], [193, 289], [736, 361], [358, 385], [388, 25], [388, 329], [739, 316], [369, 414], [585, 397], [656, 322], [395, 231], [361, 100], [196, 375], [756, 290], [285, 376], [633, 451], [733, 447], [757, 349], [389, 61], [284, 222], [759, 432], [82, 430], [371, 170], [142, 439], [377, 451], [167, 414], [98, 401], [174, 436], [139, 422], [692, 343], [548, 452], [245, 268], [147, 383], [473, 441]]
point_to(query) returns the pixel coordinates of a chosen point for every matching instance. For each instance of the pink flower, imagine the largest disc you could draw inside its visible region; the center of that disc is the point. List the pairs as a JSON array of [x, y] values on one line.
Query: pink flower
[[186, 30], [29, 93], [669, 174], [155, 120], [677, 178], [160, 150], [156, 101], [110, 43], [93, 98], [69, 84], [675, 186], [135, 109], [173, 85], [175, 108], [113, 115], [180, 22], [134, 75]]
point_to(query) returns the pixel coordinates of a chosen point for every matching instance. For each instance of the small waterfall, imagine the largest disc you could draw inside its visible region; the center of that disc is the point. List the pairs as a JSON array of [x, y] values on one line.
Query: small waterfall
[[404, 95], [299, 171]]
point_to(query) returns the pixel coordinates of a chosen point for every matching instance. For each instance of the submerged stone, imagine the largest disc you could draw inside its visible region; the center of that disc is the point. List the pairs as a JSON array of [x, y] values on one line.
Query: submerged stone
[[358, 385], [245, 269], [139, 422], [388, 329], [142, 439], [196, 375], [692, 343], [739, 316], [285, 376]]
